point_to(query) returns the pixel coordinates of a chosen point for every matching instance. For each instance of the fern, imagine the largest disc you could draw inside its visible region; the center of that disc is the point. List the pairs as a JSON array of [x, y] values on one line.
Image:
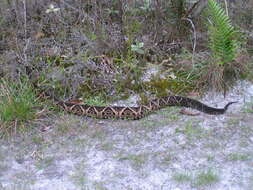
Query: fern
[[221, 34]]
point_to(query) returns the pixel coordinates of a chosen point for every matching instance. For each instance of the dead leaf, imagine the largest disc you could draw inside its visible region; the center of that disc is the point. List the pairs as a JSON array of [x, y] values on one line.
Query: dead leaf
[[46, 128], [193, 93], [187, 112]]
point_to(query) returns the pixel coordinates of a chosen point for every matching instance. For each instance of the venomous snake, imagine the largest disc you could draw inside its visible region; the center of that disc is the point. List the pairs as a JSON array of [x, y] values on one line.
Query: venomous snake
[[138, 112]]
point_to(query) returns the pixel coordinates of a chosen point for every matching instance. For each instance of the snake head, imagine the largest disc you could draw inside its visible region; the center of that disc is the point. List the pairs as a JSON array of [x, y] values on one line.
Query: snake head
[[228, 104]]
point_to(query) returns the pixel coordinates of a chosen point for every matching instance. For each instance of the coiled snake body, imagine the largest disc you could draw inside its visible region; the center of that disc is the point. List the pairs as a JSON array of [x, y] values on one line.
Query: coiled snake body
[[118, 112]]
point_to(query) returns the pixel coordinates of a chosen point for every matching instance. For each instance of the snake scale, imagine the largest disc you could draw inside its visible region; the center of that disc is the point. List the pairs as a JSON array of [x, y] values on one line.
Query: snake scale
[[138, 112]]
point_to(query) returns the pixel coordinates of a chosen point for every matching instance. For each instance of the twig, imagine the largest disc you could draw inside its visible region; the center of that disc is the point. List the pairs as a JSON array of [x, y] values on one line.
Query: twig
[[194, 37], [226, 6], [25, 24]]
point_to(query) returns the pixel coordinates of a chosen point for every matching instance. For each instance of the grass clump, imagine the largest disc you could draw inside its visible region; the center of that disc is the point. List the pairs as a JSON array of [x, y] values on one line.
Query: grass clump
[[182, 177], [238, 157], [205, 178], [17, 102]]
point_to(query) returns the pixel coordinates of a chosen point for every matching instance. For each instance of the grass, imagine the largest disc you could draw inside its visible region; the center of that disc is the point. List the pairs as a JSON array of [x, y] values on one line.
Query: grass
[[137, 160], [79, 176], [108, 146], [192, 130], [45, 162], [238, 157], [99, 185], [248, 107], [18, 186], [182, 177], [38, 140], [95, 101], [17, 103], [205, 178]]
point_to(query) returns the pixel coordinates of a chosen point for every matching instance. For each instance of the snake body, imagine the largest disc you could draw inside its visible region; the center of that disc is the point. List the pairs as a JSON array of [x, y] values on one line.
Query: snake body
[[138, 112]]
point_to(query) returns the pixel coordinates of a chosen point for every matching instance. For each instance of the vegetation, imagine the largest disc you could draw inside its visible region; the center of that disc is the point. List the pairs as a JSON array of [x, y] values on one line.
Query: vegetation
[[201, 179], [182, 177], [221, 34], [225, 63], [206, 178], [101, 51], [17, 105]]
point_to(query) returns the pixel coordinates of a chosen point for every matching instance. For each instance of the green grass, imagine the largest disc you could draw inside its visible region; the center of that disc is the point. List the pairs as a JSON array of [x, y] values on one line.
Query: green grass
[[137, 160], [201, 179], [205, 178], [45, 162], [238, 157], [17, 103], [95, 101], [248, 107], [182, 177], [79, 177], [192, 130]]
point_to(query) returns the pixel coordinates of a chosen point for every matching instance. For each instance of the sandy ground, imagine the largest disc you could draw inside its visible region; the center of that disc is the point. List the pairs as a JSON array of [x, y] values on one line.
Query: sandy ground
[[164, 151]]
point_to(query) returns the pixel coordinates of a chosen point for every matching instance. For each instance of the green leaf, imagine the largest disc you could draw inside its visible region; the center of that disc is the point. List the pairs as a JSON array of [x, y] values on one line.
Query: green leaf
[[221, 33]]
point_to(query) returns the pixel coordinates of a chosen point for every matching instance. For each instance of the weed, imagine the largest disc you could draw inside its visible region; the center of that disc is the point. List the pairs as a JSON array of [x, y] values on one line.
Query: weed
[[137, 47]]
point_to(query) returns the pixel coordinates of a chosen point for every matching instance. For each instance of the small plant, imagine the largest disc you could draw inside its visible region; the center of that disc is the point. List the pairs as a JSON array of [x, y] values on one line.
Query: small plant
[[146, 5], [96, 101], [138, 47], [17, 102], [52, 8]]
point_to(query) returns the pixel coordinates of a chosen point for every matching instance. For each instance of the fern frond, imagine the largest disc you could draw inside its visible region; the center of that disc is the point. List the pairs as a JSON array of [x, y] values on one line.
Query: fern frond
[[221, 33]]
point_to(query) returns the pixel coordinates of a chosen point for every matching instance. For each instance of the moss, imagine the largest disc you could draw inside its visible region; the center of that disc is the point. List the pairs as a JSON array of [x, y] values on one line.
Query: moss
[[161, 86]]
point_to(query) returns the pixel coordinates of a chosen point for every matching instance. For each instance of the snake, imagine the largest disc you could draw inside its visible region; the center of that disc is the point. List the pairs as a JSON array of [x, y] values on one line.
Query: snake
[[138, 112]]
